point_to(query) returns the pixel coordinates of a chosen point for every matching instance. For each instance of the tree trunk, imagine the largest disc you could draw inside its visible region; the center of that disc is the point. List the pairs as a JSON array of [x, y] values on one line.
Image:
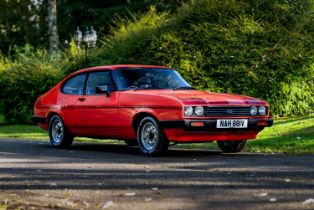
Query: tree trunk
[[52, 27]]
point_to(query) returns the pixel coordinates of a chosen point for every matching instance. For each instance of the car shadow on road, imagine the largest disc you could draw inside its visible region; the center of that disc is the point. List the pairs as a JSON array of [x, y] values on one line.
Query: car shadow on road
[[134, 150], [179, 174], [98, 152]]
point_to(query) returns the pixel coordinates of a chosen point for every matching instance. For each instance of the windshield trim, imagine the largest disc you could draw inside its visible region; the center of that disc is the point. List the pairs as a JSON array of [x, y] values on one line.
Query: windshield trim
[[137, 88]]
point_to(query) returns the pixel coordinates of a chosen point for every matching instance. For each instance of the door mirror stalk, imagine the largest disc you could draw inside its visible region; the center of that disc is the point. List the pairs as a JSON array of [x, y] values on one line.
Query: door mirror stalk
[[103, 89]]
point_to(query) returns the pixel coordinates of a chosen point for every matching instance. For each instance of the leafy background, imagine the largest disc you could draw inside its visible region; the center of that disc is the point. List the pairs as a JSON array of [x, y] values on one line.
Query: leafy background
[[260, 48]]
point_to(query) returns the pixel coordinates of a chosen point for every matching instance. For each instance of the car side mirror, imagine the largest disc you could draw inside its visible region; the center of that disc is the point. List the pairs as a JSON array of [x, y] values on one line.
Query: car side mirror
[[102, 89]]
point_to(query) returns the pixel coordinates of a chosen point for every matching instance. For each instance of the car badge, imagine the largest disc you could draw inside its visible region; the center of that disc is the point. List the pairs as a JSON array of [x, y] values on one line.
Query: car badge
[[229, 111]]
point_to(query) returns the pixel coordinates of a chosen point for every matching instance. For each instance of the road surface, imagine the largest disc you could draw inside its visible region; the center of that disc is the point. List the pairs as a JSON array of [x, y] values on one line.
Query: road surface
[[107, 176]]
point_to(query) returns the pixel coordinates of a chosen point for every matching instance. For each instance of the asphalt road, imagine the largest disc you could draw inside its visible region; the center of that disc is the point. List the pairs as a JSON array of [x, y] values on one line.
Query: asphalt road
[[102, 176]]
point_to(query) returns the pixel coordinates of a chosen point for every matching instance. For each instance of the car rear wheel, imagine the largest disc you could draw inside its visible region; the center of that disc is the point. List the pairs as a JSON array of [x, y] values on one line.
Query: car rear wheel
[[58, 133], [150, 137], [231, 146]]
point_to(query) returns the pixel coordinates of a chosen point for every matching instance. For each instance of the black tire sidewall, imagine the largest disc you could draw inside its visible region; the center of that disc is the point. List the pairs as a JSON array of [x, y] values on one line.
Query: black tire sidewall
[[236, 146], [162, 142], [66, 141]]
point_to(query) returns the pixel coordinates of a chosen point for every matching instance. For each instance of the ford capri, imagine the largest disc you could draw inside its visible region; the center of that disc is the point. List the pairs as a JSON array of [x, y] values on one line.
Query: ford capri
[[146, 106]]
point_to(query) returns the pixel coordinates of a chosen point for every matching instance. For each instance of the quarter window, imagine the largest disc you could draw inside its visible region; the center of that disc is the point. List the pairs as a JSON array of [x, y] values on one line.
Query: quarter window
[[98, 79], [74, 85]]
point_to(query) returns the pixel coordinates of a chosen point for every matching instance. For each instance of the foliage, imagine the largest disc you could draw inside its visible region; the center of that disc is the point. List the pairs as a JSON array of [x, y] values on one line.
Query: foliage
[[22, 22], [23, 80], [25, 21], [259, 48], [102, 14]]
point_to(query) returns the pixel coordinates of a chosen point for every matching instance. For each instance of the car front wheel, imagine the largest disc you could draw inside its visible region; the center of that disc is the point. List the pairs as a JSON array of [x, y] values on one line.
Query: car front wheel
[[231, 146], [58, 133], [150, 137]]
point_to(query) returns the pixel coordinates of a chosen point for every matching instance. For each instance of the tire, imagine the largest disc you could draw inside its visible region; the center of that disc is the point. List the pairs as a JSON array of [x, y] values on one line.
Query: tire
[[231, 146], [131, 143], [58, 133], [150, 137]]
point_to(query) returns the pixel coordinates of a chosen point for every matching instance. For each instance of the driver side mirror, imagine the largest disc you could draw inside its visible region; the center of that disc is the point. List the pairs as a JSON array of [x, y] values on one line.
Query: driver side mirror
[[102, 89]]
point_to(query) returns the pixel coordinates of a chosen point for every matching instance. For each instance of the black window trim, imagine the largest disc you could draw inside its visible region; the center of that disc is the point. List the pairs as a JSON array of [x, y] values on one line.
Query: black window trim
[[63, 84], [98, 71], [126, 68], [85, 82]]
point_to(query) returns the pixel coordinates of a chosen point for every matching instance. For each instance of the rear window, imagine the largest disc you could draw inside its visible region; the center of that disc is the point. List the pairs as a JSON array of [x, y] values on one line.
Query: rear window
[[75, 85]]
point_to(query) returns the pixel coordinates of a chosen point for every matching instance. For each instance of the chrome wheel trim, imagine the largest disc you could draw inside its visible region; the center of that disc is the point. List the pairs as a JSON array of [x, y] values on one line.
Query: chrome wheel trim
[[57, 131], [149, 136]]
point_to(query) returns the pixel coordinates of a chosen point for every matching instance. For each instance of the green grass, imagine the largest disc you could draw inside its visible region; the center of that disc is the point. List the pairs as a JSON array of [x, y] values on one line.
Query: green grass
[[287, 135], [23, 132], [3, 207], [290, 135], [31, 132]]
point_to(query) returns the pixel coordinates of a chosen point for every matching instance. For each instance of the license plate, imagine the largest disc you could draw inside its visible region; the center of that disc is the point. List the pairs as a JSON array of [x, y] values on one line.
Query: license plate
[[232, 123]]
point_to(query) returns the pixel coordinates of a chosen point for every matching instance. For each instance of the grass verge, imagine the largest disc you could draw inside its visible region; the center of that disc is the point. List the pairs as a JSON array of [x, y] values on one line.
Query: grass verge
[[290, 135], [287, 135]]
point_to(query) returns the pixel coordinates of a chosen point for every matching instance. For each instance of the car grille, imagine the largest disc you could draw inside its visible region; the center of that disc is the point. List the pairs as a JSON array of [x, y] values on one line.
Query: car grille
[[227, 111]]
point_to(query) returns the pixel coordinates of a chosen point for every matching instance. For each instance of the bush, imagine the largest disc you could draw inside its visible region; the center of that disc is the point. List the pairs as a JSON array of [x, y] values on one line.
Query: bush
[[258, 48], [24, 80]]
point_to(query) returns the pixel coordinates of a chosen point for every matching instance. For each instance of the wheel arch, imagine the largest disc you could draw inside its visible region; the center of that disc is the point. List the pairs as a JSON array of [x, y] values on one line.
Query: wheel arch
[[139, 116], [160, 144], [50, 115]]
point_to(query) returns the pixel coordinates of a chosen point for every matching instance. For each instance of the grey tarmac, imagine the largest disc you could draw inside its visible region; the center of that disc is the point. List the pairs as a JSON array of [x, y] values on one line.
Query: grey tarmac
[[33, 175]]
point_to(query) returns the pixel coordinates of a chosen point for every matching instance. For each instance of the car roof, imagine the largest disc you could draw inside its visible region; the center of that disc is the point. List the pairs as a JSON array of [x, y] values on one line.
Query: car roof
[[118, 66]]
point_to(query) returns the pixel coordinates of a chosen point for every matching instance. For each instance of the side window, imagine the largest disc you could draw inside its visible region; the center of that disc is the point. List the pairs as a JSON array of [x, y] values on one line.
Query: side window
[[74, 85], [98, 79]]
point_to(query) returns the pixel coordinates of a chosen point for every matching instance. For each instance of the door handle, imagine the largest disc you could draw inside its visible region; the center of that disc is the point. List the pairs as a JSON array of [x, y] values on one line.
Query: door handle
[[81, 99]]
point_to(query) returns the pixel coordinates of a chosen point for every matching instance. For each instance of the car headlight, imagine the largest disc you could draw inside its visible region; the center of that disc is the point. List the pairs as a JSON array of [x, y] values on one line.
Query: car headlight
[[253, 110], [188, 110], [262, 110], [199, 111]]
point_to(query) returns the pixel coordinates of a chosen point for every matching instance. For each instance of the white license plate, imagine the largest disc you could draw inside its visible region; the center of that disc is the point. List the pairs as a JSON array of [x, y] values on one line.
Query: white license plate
[[232, 123]]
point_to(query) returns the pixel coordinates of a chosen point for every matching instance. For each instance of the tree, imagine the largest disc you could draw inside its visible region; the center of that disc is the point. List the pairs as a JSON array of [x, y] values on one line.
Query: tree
[[20, 24], [52, 27]]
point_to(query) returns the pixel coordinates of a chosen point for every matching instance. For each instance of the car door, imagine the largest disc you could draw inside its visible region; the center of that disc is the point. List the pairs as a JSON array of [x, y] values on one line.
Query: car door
[[96, 111], [71, 90]]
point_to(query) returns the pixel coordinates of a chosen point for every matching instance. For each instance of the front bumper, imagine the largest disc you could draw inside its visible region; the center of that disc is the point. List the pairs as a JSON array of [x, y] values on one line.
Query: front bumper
[[183, 132], [210, 125]]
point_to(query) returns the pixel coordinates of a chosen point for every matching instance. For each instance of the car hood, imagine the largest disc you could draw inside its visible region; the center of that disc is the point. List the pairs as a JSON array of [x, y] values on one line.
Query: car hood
[[201, 97]]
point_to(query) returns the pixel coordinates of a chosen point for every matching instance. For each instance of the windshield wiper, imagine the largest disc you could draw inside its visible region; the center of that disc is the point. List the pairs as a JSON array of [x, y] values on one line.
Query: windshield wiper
[[184, 88], [133, 87], [143, 88]]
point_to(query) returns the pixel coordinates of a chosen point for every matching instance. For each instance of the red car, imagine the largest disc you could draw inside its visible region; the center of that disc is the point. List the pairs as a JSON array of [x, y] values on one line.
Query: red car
[[148, 106]]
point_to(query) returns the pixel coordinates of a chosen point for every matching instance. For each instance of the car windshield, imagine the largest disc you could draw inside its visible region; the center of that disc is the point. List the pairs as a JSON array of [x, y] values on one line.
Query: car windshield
[[148, 78]]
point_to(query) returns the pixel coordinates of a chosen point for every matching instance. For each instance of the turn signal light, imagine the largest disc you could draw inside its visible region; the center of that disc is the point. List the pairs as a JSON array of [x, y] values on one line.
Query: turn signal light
[[197, 124], [263, 123]]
